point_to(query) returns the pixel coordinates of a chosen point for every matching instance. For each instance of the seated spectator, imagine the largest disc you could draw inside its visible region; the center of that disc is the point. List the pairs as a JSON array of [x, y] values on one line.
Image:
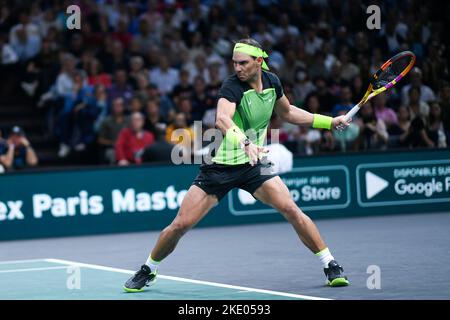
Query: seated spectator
[[64, 128], [382, 112], [110, 128], [435, 128], [153, 120], [200, 101], [132, 141], [96, 74], [317, 67], [302, 85], [136, 105], [197, 68], [16, 153], [374, 134], [25, 44], [100, 100], [307, 139], [120, 88], [85, 114], [348, 69], [166, 107], [215, 82], [137, 69], [64, 83], [326, 99], [416, 106], [185, 106], [165, 77], [417, 135], [426, 94], [184, 137], [40, 71], [183, 88], [7, 53], [399, 131], [346, 102], [142, 90]]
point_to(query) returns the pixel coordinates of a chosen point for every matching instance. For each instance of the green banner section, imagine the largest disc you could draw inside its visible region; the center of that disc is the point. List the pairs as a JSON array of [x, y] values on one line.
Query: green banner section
[[407, 183], [312, 188], [113, 199]]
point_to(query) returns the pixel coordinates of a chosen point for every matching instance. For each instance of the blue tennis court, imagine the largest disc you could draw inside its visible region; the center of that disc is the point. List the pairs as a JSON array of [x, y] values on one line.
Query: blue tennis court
[[62, 279]]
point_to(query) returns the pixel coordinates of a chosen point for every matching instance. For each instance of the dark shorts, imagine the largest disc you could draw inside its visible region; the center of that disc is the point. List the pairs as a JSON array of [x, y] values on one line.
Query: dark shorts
[[218, 179]]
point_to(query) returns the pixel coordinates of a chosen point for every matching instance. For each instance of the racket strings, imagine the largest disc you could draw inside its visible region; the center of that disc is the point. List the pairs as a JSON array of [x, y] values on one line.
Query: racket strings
[[391, 72]]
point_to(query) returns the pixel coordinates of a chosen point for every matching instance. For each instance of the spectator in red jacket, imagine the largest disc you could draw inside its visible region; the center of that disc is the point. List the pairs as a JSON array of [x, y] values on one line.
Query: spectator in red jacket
[[132, 141]]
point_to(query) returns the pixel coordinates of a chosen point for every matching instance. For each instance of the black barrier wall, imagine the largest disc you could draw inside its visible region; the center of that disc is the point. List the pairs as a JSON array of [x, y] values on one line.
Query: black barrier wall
[[107, 200]]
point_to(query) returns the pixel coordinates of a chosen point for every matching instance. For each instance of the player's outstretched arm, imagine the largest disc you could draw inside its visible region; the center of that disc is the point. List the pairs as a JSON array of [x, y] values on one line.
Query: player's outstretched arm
[[292, 114], [234, 135], [225, 111]]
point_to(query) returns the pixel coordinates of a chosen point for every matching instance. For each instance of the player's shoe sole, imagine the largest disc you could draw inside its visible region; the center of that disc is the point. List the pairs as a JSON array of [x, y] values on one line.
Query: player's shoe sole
[[130, 290], [338, 282], [141, 279], [335, 276]]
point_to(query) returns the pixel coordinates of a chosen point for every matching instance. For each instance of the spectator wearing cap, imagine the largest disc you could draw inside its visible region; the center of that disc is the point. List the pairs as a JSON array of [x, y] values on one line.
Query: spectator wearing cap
[[132, 141], [17, 152]]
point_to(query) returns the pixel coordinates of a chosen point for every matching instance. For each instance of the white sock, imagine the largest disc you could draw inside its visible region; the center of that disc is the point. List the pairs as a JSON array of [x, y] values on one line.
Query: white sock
[[325, 257], [152, 264]]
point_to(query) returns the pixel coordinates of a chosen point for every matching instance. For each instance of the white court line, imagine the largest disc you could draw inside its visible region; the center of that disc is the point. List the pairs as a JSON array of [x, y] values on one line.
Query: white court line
[[31, 269], [208, 283], [22, 261]]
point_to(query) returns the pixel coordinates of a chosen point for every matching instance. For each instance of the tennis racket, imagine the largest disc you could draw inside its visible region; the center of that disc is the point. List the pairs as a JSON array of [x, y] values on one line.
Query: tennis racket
[[390, 73]]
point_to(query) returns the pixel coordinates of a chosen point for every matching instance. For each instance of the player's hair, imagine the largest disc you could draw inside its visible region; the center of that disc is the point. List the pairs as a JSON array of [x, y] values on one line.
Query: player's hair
[[251, 42]]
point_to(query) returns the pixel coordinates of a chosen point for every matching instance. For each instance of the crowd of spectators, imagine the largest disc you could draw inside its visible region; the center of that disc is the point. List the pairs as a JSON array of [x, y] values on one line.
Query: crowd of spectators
[[138, 70]]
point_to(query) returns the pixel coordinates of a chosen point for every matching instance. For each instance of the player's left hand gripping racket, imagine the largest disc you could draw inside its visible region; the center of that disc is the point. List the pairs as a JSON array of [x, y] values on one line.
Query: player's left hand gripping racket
[[386, 77]]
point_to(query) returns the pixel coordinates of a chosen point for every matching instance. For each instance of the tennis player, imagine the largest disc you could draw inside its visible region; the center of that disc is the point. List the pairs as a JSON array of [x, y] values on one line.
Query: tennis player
[[246, 101]]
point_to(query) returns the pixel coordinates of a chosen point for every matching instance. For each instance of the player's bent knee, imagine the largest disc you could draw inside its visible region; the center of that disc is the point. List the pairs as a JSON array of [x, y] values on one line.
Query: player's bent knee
[[180, 227], [290, 210]]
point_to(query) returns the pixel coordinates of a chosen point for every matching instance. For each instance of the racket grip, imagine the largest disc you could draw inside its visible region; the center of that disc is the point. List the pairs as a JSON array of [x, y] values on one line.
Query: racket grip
[[351, 113]]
